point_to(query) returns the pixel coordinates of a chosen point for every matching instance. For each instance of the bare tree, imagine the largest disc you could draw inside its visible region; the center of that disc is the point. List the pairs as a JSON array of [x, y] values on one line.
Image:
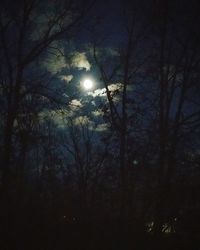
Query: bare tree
[[86, 160], [27, 31], [126, 71], [178, 60]]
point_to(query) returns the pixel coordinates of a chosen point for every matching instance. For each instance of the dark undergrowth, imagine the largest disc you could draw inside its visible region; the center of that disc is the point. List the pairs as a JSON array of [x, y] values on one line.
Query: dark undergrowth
[[85, 236]]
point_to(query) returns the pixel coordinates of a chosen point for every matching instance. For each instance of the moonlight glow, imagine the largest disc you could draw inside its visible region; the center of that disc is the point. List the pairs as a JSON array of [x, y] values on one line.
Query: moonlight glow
[[88, 84]]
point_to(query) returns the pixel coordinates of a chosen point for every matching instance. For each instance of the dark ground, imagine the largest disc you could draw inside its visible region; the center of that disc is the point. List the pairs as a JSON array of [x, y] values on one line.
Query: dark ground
[[74, 236]]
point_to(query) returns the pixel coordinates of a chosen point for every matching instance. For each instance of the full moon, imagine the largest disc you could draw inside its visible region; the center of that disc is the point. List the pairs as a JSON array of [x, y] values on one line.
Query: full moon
[[88, 84]]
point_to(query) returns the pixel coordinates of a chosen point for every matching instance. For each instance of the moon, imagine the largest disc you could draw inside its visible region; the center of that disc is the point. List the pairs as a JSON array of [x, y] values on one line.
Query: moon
[[88, 84]]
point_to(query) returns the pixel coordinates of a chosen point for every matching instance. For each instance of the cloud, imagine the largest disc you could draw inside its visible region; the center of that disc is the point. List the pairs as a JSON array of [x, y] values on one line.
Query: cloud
[[85, 121], [47, 19], [55, 61], [79, 60], [75, 104], [82, 120], [102, 127], [66, 78], [112, 52], [98, 92], [97, 113], [102, 92], [103, 52], [58, 116], [115, 86]]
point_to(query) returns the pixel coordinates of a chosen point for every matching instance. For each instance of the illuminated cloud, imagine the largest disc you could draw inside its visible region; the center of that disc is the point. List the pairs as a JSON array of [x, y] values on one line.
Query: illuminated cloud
[[75, 104], [79, 60], [57, 116], [98, 92], [102, 92], [97, 113], [66, 78], [82, 120], [85, 121], [102, 127], [55, 62], [115, 86]]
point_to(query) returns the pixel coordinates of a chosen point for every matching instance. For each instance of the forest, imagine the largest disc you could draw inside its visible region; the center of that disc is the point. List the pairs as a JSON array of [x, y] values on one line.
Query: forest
[[99, 124]]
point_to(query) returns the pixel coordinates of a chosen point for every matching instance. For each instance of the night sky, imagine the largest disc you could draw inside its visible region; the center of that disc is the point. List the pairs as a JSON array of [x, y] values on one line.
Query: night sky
[[99, 124]]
